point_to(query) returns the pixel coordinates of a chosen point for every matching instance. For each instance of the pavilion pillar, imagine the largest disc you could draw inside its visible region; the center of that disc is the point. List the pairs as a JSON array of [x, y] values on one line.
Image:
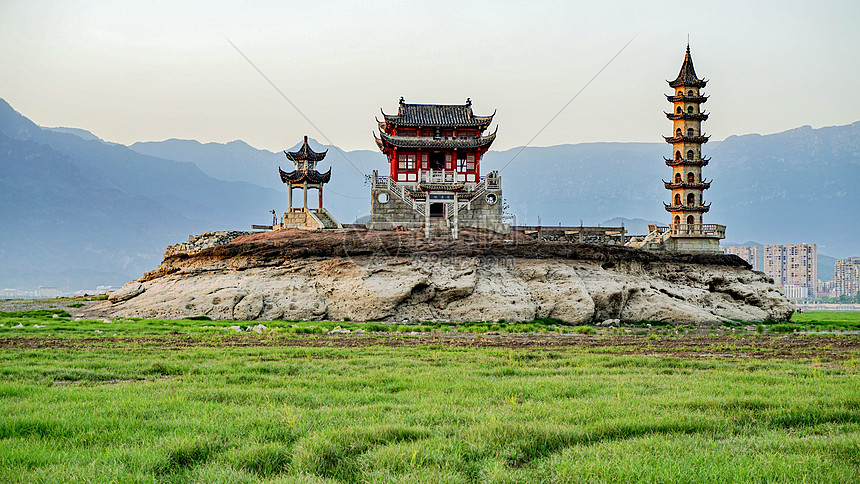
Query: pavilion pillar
[[320, 195], [290, 198], [456, 217], [427, 217], [305, 197]]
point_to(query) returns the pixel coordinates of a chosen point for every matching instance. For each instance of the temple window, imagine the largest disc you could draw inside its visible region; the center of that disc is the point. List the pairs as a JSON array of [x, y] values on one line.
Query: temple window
[[677, 178], [690, 132], [470, 162], [677, 199], [679, 110], [678, 132], [690, 93], [677, 220], [680, 93], [677, 155], [690, 154], [461, 162], [691, 199], [406, 162], [691, 178], [690, 220], [690, 109]]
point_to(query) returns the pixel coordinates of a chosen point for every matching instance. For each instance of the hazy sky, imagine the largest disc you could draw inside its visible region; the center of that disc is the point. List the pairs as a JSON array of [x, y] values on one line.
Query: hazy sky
[[137, 71]]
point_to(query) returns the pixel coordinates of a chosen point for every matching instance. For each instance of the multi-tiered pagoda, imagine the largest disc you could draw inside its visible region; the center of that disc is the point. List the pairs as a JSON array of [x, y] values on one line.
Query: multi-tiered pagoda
[[686, 231], [434, 153]]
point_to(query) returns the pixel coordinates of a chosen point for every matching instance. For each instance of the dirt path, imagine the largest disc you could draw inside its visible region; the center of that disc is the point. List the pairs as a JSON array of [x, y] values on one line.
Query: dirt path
[[826, 347]]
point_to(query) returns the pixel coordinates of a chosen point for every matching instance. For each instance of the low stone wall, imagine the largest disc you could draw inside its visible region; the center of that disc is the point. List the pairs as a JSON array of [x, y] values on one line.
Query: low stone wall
[[206, 240]]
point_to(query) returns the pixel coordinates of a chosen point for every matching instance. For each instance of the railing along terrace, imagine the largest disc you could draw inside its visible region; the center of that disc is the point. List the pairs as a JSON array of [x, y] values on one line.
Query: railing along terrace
[[695, 229]]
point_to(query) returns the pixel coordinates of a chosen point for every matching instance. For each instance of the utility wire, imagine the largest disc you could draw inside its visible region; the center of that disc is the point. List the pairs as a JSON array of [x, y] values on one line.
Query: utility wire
[[568, 103], [294, 106]]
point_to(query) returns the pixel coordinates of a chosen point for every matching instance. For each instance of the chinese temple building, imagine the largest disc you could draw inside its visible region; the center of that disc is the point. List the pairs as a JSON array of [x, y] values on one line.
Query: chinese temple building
[[434, 179], [686, 231], [306, 177]]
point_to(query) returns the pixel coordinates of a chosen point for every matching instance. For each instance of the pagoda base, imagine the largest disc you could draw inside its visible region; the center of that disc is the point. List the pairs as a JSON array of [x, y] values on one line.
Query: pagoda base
[[307, 219], [694, 238]]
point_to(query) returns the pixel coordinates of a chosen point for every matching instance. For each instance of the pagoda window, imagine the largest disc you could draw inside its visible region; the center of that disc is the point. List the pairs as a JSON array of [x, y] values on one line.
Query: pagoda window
[[677, 178], [690, 93], [424, 162], [680, 93], [690, 109], [470, 162], [677, 220], [678, 133], [679, 110], [677, 199], [690, 154], [691, 199], [690, 220], [690, 132], [691, 178], [677, 155]]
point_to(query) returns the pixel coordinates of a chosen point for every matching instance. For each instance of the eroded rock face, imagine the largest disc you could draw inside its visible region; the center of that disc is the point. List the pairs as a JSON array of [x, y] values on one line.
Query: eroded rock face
[[456, 288]]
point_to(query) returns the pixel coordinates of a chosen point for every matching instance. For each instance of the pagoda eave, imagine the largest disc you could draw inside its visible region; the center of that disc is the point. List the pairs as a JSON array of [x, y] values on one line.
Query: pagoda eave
[[690, 116], [686, 99], [686, 208], [386, 141], [686, 139], [687, 83], [687, 186], [699, 162]]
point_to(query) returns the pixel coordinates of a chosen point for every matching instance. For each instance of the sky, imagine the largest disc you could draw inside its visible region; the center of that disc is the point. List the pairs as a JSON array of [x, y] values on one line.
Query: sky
[[150, 70]]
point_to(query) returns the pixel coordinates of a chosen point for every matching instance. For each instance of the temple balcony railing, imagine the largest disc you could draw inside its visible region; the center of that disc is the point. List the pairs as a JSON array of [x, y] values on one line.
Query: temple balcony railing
[[686, 115]]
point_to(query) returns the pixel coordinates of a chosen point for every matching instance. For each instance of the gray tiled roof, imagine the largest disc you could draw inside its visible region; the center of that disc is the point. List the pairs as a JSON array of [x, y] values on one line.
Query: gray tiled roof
[[305, 153], [447, 115]]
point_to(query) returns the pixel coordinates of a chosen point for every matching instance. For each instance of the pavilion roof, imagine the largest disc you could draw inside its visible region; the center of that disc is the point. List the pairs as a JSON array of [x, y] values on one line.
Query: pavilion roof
[[305, 153], [687, 75], [304, 176], [438, 115]]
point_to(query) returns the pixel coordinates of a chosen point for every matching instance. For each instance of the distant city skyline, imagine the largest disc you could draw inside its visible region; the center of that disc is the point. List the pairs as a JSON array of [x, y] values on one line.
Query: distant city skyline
[[138, 71]]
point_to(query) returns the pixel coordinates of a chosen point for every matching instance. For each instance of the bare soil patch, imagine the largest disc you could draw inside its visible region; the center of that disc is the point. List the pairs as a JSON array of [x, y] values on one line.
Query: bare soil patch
[[824, 347]]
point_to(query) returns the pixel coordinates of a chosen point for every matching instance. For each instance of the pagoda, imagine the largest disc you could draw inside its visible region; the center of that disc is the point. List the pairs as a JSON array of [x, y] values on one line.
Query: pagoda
[[687, 232], [434, 177], [306, 177]]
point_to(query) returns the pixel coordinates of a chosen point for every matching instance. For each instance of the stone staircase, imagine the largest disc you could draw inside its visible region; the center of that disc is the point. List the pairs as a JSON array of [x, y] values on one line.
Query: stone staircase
[[326, 219]]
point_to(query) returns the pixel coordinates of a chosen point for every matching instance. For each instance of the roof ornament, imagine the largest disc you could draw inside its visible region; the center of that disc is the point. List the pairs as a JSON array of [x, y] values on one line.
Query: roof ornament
[[468, 101], [402, 101]]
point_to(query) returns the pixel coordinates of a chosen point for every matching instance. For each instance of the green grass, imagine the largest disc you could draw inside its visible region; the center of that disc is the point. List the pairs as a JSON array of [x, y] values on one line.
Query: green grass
[[828, 320], [217, 413]]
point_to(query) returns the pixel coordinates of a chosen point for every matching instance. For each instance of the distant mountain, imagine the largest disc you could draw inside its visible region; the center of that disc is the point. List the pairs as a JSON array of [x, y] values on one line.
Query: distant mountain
[[75, 204]]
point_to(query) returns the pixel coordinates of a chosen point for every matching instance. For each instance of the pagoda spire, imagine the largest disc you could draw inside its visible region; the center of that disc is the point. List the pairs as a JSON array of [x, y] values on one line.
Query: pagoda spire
[[687, 76]]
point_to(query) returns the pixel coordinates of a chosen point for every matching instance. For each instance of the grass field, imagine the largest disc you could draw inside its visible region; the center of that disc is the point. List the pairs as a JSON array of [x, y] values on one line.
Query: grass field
[[174, 401]]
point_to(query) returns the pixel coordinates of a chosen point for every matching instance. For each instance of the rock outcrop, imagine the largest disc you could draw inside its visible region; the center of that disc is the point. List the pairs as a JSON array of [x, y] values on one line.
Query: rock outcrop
[[367, 275]]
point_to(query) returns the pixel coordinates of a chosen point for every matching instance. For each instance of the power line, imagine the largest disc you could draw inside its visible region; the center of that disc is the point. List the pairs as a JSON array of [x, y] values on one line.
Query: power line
[[294, 105], [568, 103]]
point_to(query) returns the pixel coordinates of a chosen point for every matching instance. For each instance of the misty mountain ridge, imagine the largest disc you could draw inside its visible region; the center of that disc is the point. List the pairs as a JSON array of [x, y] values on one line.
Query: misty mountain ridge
[[83, 203]]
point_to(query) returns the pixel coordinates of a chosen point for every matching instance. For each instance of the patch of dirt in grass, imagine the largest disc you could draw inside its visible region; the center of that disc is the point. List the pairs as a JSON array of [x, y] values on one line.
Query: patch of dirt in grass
[[723, 347]]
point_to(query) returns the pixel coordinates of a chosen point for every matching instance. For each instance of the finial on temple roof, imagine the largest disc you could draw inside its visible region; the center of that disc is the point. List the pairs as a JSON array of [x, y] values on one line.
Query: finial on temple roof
[[402, 100], [468, 101]]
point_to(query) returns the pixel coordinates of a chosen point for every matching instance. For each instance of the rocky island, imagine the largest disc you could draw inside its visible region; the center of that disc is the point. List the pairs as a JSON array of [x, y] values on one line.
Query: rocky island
[[363, 275]]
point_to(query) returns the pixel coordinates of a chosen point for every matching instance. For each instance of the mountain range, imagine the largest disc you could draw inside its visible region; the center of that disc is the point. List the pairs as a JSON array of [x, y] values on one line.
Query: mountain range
[[80, 212]]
